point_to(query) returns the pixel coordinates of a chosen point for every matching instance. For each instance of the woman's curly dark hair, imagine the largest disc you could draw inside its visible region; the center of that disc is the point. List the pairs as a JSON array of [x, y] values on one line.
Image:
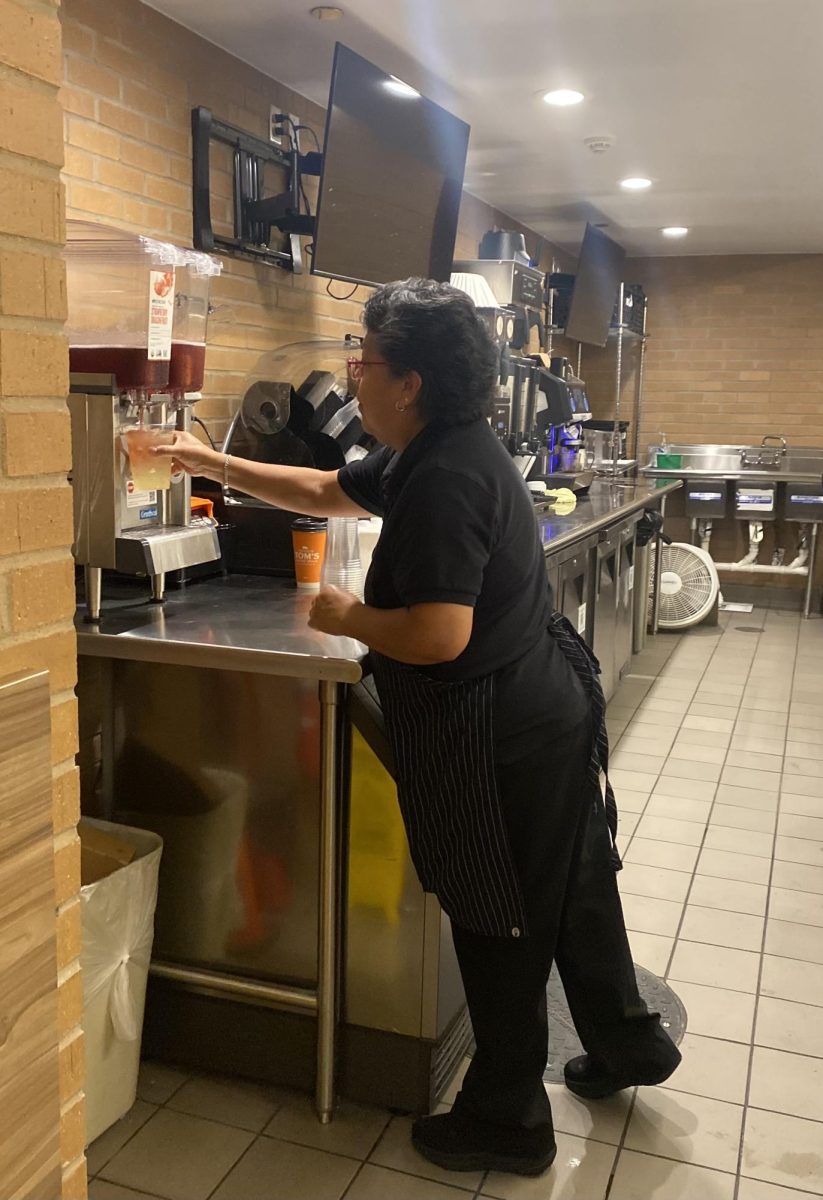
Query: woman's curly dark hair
[[434, 329]]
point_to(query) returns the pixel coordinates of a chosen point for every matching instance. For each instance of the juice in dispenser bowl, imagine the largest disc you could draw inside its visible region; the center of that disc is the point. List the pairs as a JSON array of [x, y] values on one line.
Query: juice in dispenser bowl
[[188, 348], [121, 289]]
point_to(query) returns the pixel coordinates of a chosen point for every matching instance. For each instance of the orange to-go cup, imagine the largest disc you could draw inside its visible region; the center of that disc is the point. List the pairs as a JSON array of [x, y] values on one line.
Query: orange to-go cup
[[309, 543]]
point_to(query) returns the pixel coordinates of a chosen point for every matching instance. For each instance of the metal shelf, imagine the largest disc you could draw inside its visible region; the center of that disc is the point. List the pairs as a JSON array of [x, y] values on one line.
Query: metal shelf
[[630, 334], [620, 336]]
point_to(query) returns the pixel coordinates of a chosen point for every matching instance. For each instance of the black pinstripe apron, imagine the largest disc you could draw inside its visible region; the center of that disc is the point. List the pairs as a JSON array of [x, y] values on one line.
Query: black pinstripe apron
[[442, 739]]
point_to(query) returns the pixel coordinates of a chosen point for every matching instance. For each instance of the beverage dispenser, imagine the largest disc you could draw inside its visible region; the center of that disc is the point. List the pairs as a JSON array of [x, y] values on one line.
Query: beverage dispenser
[[130, 514]]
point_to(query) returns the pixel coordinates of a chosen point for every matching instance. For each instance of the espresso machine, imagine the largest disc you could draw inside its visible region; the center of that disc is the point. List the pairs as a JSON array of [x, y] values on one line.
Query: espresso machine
[[543, 415], [518, 287], [130, 298]]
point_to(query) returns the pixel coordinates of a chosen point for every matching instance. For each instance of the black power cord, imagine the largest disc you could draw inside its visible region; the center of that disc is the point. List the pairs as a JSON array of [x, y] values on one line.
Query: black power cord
[[308, 129], [348, 297], [282, 120], [205, 428]]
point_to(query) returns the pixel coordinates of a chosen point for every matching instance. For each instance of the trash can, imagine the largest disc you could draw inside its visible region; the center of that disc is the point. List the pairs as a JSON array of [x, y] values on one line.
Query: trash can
[[118, 896]]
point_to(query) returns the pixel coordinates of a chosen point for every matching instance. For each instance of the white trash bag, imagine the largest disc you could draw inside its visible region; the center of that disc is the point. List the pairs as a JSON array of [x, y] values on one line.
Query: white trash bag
[[117, 915]]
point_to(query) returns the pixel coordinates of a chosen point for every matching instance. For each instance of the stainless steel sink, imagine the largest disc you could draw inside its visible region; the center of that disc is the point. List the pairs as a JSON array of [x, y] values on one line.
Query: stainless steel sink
[[740, 462]]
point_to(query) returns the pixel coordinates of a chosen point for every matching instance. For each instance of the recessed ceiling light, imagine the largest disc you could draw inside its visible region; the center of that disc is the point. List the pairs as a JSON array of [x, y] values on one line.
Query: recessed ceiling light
[[674, 231], [401, 89], [563, 97], [635, 183], [487, 174], [326, 12]]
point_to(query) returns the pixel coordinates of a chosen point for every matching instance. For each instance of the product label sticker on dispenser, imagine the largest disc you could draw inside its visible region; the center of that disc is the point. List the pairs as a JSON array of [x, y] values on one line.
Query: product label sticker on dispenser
[[135, 499], [631, 579], [581, 619], [161, 314]]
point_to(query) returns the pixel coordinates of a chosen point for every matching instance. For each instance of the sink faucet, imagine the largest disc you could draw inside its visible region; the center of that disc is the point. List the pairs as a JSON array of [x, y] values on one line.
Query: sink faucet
[[776, 437]]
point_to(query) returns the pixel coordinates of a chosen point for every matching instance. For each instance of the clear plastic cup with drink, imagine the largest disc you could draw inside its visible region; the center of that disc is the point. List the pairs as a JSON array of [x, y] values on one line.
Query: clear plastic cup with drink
[[149, 472]]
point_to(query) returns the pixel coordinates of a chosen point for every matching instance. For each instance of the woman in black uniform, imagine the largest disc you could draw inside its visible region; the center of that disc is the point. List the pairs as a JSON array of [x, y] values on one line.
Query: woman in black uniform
[[494, 718]]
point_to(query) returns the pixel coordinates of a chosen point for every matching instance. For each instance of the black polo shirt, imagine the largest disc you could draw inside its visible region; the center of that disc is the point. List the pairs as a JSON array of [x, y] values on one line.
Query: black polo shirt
[[459, 528]]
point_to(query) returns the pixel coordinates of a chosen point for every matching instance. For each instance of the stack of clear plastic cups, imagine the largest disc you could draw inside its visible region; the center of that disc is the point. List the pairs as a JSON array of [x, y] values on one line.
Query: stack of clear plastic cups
[[342, 567]]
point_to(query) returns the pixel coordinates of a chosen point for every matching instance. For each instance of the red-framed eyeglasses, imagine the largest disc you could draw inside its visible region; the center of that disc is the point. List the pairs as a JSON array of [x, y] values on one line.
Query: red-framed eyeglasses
[[356, 365]]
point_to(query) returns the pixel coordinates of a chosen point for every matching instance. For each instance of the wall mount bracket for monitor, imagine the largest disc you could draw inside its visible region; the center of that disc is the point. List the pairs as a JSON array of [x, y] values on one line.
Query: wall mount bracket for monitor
[[255, 215]]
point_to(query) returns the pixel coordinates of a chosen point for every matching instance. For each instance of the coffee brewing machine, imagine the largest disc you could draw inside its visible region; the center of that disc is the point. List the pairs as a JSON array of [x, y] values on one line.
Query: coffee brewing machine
[[138, 311], [547, 411], [517, 287], [540, 407]]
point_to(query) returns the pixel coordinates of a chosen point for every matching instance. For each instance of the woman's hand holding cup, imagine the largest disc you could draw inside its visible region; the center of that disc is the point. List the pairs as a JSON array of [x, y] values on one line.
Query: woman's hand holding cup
[[189, 454]]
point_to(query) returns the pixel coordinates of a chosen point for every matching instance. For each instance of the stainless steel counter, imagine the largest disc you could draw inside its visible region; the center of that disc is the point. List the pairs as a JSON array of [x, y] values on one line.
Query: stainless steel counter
[[749, 474], [605, 504], [243, 623], [259, 624]]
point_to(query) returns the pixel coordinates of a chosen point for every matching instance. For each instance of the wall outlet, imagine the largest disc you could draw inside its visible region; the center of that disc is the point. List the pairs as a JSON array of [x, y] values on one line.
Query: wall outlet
[[280, 132]]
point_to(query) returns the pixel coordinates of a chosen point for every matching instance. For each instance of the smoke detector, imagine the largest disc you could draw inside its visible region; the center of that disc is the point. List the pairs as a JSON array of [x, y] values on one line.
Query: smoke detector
[[601, 143]]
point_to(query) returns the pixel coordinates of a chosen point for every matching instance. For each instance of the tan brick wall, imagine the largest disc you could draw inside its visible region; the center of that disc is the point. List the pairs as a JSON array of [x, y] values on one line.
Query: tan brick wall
[[36, 576], [131, 80], [736, 349]]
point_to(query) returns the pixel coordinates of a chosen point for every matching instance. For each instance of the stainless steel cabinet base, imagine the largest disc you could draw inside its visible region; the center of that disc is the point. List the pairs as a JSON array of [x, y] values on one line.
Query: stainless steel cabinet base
[[571, 575], [229, 767], [193, 1029], [593, 585]]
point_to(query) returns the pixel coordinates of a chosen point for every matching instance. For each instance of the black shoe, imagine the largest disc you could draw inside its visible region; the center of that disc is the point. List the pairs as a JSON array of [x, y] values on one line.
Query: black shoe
[[459, 1142], [591, 1079]]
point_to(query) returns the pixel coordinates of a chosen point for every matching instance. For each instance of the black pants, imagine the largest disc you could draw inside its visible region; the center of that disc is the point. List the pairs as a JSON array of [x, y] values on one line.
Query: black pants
[[560, 843]]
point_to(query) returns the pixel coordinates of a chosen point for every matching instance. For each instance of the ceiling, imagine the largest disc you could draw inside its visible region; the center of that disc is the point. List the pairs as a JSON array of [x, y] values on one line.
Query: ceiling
[[717, 101]]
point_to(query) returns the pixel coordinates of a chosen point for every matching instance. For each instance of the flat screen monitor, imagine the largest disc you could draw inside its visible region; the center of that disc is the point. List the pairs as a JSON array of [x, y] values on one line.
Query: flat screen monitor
[[393, 165], [599, 272]]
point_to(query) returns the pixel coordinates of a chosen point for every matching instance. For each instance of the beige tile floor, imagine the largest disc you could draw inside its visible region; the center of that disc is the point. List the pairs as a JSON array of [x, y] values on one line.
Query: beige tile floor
[[718, 767]]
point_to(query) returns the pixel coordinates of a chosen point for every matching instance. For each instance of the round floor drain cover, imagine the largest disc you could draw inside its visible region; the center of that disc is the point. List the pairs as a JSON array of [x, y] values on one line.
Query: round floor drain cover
[[563, 1040]]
